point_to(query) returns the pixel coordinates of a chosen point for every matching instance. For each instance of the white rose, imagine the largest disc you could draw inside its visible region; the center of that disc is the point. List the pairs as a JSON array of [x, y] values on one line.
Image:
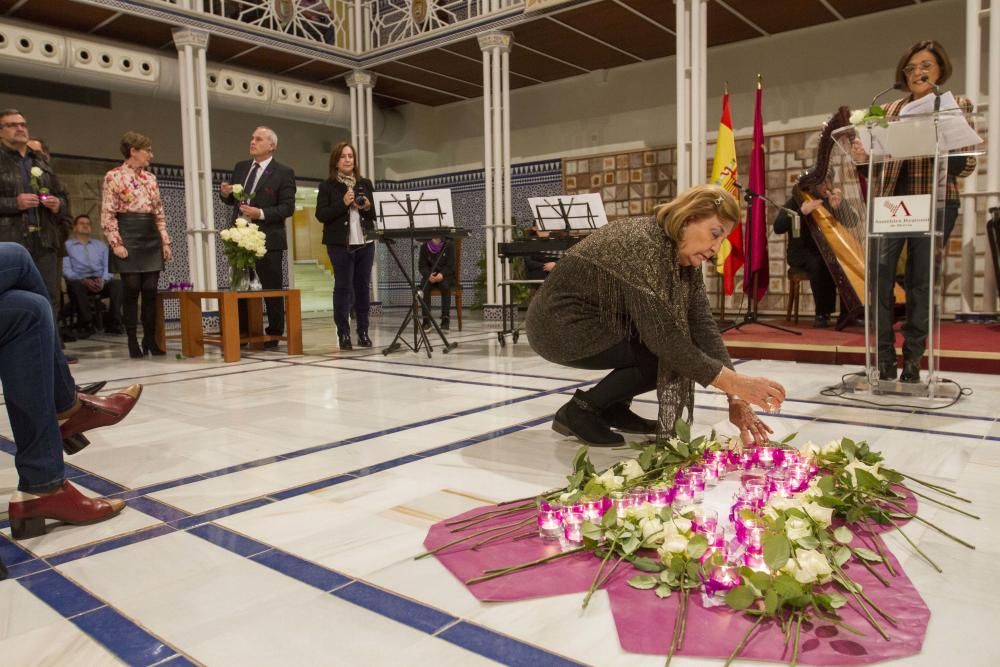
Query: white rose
[[821, 515], [796, 528], [36, 172], [226, 235], [674, 544], [782, 504], [856, 465], [652, 531], [242, 222], [631, 469], [858, 116], [831, 447], [813, 491], [683, 524], [610, 481], [810, 450], [813, 566], [238, 190]]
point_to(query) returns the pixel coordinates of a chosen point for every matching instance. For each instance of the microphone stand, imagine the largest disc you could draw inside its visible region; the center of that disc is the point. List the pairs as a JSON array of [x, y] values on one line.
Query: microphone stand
[[751, 316]]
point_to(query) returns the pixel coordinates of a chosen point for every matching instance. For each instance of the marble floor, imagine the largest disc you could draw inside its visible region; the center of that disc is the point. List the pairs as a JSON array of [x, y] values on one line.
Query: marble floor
[[275, 506]]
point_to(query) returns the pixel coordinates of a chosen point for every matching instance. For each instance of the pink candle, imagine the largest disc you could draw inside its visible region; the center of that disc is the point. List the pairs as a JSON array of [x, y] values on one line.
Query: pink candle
[[767, 457], [572, 535], [636, 497], [684, 495], [755, 562], [660, 498], [722, 578], [705, 521], [593, 510], [619, 501]]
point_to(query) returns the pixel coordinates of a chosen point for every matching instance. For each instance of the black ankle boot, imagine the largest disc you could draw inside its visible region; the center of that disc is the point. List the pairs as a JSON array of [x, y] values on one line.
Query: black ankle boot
[[887, 370], [149, 346], [620, 417], [134, 350], [580, 419], [364, 340], [345, 343], [911, 372]]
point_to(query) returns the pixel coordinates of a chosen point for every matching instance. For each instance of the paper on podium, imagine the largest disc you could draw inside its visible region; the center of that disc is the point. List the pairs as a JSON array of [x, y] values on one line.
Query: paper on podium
[[953, 129]]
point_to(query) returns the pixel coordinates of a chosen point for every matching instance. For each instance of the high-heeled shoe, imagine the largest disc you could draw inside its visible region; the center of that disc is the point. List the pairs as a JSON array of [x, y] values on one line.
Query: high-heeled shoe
[[149, 346], [68, 505], [95, 412], [134, 351]]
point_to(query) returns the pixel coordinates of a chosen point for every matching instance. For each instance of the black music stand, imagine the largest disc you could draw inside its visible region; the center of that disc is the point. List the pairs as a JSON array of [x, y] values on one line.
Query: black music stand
[[408, 206], [751, 316], [569, 212]]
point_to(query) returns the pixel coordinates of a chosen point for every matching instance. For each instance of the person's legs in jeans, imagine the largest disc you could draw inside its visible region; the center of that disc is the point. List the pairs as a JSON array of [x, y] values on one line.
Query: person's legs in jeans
[[363, 260], [918, 291], [36, 380], [343, 277], [889, 249]]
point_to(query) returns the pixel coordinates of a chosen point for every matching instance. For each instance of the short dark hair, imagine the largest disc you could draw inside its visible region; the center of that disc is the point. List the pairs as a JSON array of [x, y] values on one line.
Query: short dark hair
[[10, 112], [82, 215], [134, 140], [940, 55], [45, 146]]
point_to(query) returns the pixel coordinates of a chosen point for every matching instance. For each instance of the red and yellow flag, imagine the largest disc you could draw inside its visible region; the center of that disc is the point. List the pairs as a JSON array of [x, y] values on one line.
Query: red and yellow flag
[[730, 257]]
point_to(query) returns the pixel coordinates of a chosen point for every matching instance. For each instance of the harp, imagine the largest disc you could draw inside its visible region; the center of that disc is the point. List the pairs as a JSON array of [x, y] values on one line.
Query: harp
[[840, 234]]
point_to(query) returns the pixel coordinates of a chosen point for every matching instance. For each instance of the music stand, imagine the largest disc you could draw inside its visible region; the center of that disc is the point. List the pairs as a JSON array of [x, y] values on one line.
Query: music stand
[[751, 316], [569, 212], [414, 216]]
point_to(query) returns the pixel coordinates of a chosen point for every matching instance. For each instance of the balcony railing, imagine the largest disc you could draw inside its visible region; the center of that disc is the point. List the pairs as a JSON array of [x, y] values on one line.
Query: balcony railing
[[323, 21], [390, 22]]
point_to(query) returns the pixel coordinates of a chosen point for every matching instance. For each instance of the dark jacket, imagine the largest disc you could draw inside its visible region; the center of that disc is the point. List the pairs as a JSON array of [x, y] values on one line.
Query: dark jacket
[[534, 265], [445, 265], [274, 194], [803, 246], [51, 229], [335, 215]]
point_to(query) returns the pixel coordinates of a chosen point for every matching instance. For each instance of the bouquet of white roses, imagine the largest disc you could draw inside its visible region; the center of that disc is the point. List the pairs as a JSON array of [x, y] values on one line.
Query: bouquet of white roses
[[243, 243]]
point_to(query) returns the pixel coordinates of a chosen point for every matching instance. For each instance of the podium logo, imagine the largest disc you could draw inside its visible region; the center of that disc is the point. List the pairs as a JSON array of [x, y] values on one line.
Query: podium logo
[[896, 207]]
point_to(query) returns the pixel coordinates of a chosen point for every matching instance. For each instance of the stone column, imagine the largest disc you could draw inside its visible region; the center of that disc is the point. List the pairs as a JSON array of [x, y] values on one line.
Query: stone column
[[361, 83]]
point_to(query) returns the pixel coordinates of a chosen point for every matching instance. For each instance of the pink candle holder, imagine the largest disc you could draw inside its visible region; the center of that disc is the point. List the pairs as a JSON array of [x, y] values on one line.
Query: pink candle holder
[[593, 510], [755, 488], [619, 501], [549, 524], [697, 477], [572, 533], [747, 459], [777, 484], [683, 495], [660, 498], [722, 578], [636, 497], [768, 457], [790, 457], [755, 561], [755, 539], [745, 526], [705, 521]]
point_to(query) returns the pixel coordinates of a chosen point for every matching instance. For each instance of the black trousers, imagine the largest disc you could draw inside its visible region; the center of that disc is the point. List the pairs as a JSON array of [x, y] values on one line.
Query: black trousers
[[916, 282], [445, 287], [634, 372], [268, 270], [823, 288], [80, 295]]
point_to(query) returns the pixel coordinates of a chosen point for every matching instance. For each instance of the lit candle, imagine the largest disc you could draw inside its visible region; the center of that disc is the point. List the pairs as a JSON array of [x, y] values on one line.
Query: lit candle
[[593, 510], [766, 457], [572, 535], [661, 497], [705, 521], [683, 495], [755, 561], [696, 475], [636, 497], [549, 524], [778, 484], [755, 488], [619, 501], [722, 578]]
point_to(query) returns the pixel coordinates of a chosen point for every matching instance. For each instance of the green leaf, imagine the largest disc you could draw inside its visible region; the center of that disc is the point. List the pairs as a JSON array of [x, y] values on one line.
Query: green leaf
[[683, 450], [643, 582], [841, 555], [591, 531], [760, 580], [891, 475], [848, 447], [697, 546], [826, 484], [663, 591], [631, 545], [647, 565], [575, 480], [836, 600], [866, 480], [692, 571], [807, 542], [786, 586], [740, 598], [646, 459], [593, 488], [843, 535], [683, 430], [669, 577], [789, 438], [868, 555], [770, 602], [610, 518], [776, 551]]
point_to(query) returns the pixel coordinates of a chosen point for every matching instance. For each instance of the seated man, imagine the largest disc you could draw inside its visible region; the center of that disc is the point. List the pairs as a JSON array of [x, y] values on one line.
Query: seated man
[[437, 267], [85, 269], [539, 265], [47, 414]]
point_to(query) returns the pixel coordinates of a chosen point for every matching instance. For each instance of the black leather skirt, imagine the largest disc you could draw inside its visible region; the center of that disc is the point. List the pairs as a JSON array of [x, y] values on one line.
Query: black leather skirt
[[142, 241]]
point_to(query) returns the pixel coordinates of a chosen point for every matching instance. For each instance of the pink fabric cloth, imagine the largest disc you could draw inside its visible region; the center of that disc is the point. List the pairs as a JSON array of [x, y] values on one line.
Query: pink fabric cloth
[[644, 622]]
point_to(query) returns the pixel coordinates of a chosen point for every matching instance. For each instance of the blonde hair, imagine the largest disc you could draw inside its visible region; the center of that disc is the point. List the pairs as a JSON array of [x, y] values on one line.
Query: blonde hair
[[701, 201]]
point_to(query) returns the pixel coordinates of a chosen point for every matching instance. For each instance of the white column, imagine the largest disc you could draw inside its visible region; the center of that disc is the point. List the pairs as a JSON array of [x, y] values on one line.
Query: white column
[[993, 150], [191, 45], [683, 26], [496, 163], [973, 41], [692, 59], [361, 84]]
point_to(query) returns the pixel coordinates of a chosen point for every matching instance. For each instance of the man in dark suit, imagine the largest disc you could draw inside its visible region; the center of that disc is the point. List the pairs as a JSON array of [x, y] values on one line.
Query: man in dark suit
[[270, 188]]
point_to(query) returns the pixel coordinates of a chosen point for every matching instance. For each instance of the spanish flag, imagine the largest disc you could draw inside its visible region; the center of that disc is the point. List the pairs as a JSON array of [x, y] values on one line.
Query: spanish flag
[[730, 257]]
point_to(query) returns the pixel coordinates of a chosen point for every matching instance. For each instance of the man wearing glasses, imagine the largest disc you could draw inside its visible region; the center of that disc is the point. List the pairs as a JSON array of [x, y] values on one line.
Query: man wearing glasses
[[31, 201]]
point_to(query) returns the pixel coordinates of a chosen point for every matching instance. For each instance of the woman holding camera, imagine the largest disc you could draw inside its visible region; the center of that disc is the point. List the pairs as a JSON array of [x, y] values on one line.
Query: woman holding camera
[[345, 208]]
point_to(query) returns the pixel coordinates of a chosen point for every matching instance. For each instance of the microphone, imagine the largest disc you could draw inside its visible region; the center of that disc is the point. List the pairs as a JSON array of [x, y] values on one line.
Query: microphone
[[895, 86], [937, 92]]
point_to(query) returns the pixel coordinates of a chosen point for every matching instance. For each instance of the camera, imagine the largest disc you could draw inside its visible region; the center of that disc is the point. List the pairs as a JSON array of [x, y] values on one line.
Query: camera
[[361, 194]]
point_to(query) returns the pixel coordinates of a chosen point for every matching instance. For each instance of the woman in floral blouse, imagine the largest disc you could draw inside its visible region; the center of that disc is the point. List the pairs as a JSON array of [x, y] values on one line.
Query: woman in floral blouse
[[136, 228]]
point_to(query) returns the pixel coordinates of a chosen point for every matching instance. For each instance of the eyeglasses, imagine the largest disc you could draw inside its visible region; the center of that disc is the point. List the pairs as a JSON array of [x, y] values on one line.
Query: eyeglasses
[[924, 66], [6, 125]]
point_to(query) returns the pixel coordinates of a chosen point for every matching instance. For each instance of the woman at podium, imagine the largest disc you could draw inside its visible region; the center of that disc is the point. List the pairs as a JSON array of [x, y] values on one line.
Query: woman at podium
[[344, 206], [630, 298], [921, 70]]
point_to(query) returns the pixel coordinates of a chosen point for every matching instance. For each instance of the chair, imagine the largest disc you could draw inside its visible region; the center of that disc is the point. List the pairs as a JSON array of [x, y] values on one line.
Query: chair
[[456, 289], [795, 276]]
